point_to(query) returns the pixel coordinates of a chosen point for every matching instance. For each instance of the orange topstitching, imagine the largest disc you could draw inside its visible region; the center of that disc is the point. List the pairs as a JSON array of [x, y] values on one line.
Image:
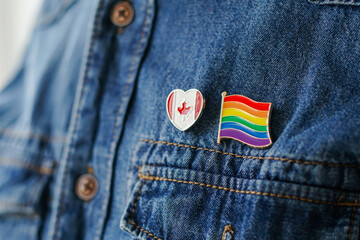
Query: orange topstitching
[[339, 165], [285, 196]]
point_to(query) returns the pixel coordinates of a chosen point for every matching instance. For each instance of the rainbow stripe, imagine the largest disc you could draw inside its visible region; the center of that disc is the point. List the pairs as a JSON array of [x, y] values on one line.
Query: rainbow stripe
[[245, 120]]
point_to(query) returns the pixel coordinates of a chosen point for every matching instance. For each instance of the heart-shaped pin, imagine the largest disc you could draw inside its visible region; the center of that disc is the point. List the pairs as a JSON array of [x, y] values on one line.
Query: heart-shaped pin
[[184, 108]]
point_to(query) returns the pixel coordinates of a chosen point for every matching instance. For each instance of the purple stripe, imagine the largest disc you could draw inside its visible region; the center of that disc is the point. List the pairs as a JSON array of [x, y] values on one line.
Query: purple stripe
[[243, 137]]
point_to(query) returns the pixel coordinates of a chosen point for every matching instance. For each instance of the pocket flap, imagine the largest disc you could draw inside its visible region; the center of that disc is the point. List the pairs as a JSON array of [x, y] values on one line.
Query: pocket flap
[[175, 203], [23, 176]]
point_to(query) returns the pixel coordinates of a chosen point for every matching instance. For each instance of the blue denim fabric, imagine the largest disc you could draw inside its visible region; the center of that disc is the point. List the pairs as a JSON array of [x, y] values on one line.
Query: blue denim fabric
[[88, 96]]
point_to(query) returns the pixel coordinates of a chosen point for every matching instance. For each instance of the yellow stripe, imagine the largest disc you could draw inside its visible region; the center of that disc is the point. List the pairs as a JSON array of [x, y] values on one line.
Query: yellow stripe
[[244, 115]]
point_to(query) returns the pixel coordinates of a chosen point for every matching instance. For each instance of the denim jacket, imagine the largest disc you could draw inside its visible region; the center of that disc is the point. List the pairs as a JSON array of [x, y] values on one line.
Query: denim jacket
[[90, 97]]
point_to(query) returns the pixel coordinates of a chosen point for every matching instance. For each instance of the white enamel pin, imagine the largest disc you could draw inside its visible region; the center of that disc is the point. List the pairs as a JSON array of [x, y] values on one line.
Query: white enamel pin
[[184, 108]]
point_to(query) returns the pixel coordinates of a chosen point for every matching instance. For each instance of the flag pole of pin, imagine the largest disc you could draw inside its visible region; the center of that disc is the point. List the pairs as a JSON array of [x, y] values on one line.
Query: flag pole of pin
[[244, 120], [184, 108]]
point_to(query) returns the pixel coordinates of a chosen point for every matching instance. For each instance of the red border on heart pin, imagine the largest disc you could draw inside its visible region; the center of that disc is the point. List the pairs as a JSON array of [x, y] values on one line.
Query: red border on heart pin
[[184, 108]]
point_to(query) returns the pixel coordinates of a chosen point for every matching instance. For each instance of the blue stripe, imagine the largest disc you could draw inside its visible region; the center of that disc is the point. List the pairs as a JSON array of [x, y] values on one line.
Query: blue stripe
[[237, 126]]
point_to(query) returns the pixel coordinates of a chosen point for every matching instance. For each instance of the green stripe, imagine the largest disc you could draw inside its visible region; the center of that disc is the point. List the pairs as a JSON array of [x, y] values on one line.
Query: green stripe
[[245, 123]]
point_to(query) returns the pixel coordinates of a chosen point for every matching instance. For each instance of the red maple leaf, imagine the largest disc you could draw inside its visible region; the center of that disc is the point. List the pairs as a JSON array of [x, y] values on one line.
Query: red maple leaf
[[184, 110]]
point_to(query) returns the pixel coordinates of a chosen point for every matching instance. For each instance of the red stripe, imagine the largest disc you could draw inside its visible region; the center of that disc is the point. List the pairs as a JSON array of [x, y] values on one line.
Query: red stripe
[[251, 103], [170, 104], [198, 104]]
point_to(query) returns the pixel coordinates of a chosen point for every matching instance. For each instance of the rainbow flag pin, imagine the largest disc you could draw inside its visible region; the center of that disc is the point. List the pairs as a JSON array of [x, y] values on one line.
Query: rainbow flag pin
[[245, 120]]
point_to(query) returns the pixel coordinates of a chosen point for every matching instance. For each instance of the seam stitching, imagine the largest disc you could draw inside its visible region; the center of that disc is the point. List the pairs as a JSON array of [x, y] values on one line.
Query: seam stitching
[[284, 196], [134, 207], [338, 165], [73, 135], [27, 151], [30, 135], [28, 166], [118, 119], [352, 219], [12, 204]]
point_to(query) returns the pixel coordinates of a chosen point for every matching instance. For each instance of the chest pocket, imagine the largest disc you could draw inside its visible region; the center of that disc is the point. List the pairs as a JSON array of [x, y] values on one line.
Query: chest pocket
[[175, 197], [25, 176], [52, 10]]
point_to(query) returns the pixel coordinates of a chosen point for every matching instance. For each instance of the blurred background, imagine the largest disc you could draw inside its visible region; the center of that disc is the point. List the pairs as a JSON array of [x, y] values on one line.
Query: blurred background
[[17, 18]]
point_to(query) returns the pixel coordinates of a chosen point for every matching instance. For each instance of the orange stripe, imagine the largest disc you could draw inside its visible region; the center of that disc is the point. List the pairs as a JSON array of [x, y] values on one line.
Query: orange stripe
[[245, 108]]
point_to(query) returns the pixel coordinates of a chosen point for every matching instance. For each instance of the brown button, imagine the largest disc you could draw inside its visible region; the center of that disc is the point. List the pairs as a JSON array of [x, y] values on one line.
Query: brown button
[[122, 14], [86, 187]]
